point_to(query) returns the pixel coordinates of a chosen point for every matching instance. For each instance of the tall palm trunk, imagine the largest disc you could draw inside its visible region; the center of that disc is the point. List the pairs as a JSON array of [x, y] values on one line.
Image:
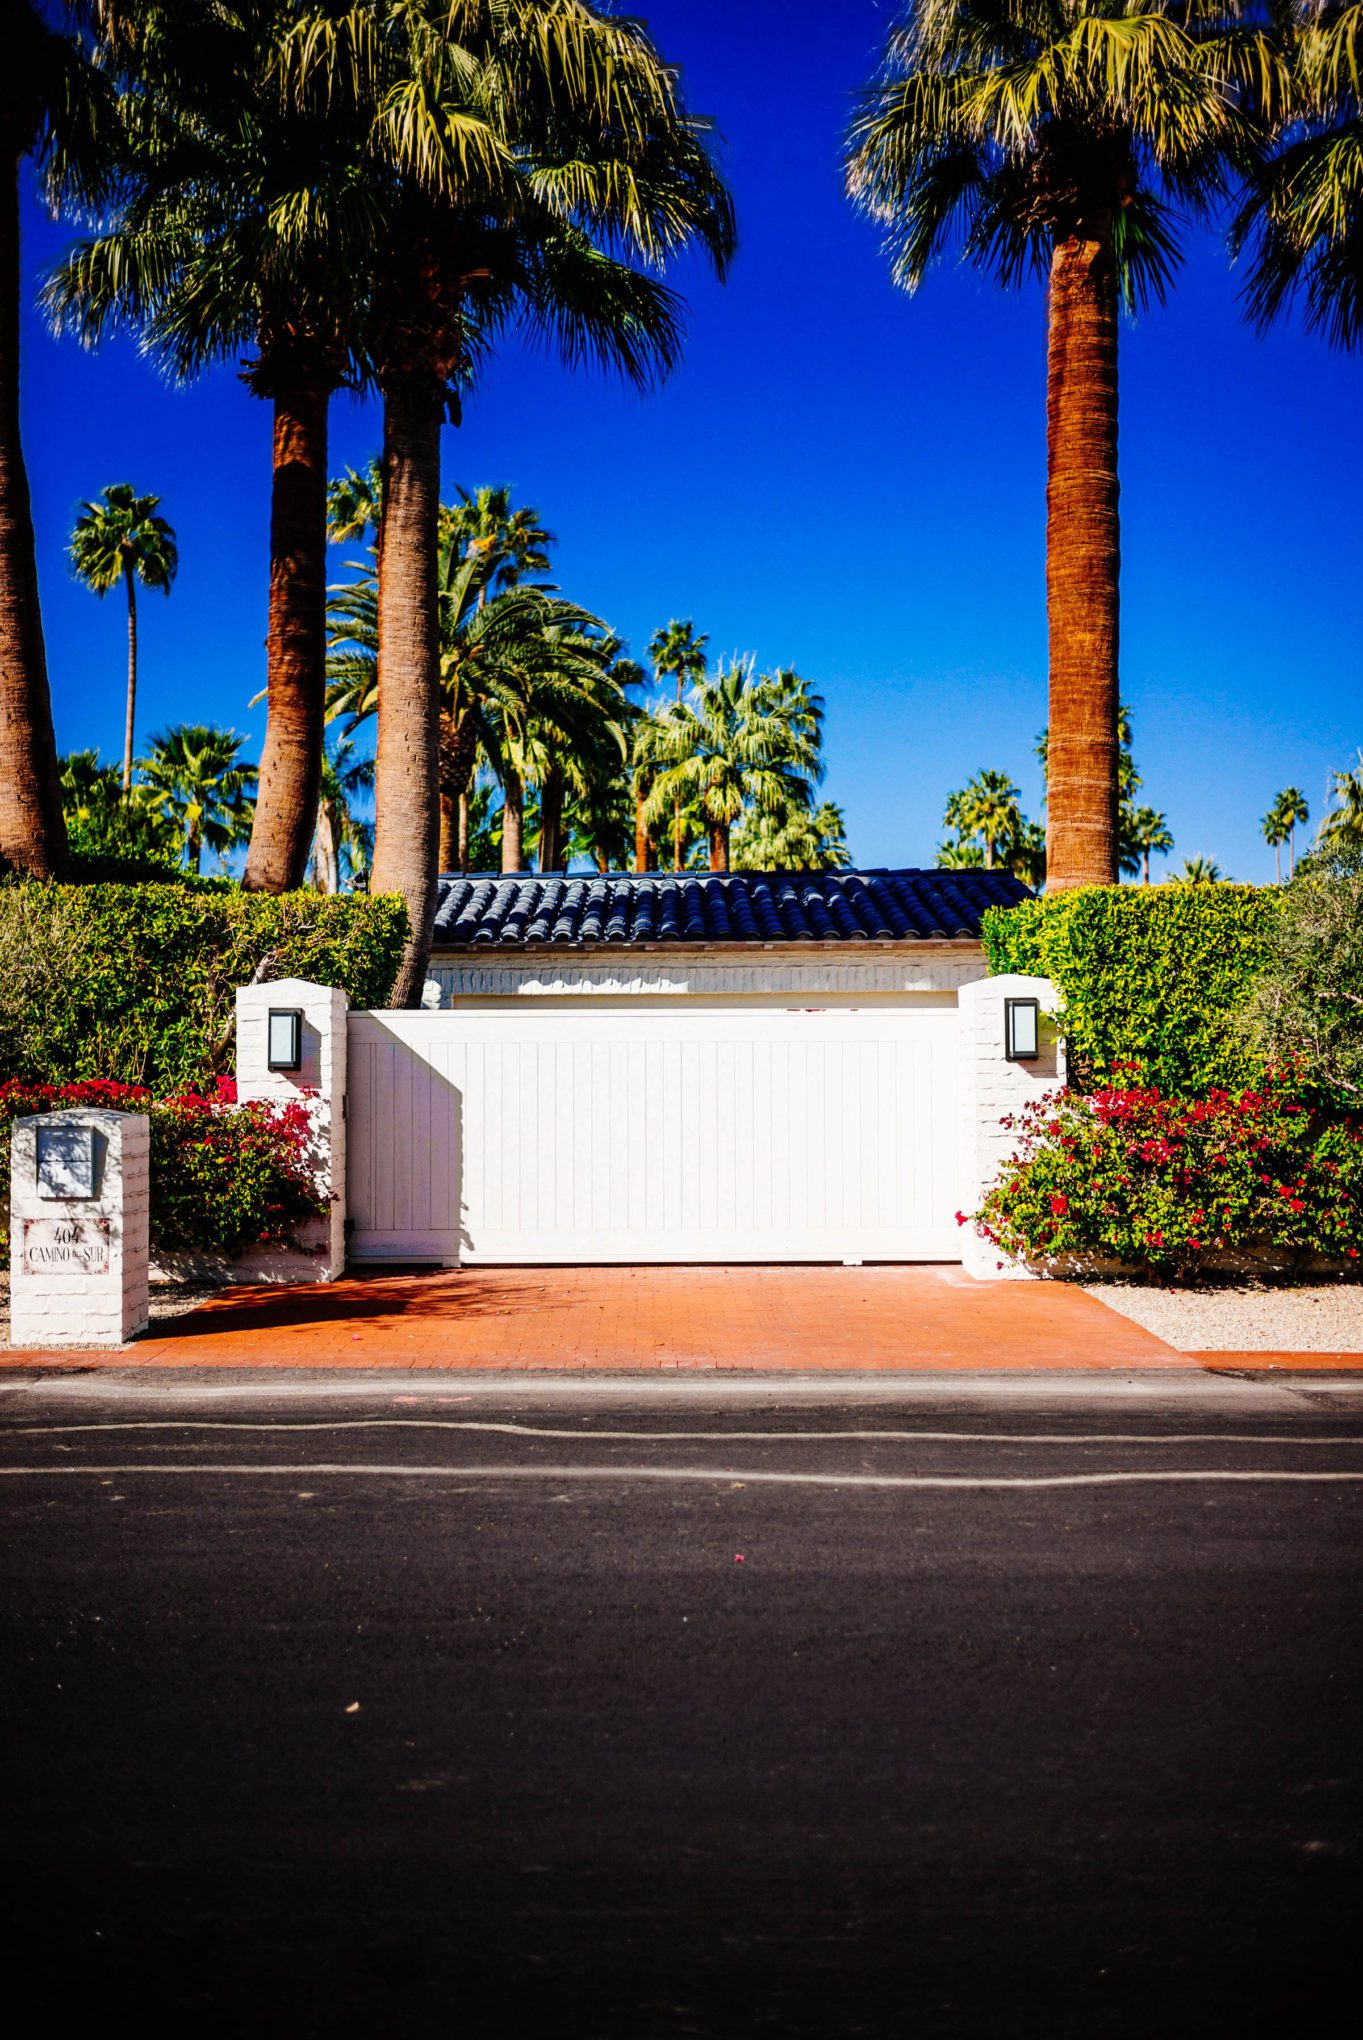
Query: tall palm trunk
[[407, 792], [551, 820], [326, 856], [291, 761], [130, 582], [1082, 560], [644, 858], [462, 852], [719, 847], [513, 821], [449, 831], [32, 827], [1145, 867]]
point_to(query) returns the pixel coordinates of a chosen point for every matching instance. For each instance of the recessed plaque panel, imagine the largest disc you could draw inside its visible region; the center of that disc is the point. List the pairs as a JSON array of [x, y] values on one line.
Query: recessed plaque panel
[[66, 1161], [66, 1246]]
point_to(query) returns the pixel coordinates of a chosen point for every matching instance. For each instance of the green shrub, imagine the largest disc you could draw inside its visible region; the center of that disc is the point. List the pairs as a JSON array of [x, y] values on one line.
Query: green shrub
[[1308, 1004], [1163, 1183], [150, 999], [224, 1177], [1159, 976]]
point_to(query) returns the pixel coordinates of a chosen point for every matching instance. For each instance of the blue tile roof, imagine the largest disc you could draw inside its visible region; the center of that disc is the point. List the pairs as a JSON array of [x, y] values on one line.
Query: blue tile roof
[[483, 911]]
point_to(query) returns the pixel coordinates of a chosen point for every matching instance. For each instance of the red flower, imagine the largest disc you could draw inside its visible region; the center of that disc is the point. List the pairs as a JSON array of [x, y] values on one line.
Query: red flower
[[1059, 1206]]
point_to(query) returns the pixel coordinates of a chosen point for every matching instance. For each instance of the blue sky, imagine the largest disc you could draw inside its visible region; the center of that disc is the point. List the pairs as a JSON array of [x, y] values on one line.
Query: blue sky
[[841, 478]]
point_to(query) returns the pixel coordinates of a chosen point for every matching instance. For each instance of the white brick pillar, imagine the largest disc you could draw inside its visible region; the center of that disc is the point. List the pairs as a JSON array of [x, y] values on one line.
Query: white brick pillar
[[80, 1212], [993, 1088], [320, 1082]]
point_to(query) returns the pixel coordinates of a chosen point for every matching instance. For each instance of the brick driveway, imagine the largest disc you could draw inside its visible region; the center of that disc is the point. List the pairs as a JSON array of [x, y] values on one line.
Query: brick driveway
[[890, 1319]]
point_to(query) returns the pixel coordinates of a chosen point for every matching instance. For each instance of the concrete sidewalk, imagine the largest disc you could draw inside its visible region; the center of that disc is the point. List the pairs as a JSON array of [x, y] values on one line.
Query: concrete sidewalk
[[622, 1320]]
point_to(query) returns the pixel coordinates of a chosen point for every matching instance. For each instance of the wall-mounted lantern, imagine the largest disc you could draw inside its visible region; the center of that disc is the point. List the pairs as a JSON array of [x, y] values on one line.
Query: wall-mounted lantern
[[285, 1041], [1022, 1029]]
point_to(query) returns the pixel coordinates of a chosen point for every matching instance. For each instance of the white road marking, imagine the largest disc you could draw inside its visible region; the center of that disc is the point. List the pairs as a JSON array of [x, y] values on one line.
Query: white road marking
[[580, 1436], [362, 1471]]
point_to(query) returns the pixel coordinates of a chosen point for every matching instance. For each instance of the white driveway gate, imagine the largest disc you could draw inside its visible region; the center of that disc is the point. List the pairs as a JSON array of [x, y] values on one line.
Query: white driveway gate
[[542, 1132]]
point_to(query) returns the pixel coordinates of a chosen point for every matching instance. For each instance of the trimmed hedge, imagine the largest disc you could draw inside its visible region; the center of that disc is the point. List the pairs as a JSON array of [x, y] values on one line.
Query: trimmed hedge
[[152, 999], [1154, 978]]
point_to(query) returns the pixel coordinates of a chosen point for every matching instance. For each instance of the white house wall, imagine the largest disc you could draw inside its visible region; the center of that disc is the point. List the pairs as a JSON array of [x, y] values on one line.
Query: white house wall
[[919, 967]]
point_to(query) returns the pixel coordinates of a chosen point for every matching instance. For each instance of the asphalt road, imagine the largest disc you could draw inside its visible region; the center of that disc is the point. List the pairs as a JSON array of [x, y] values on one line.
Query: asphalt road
[[579, 1713]]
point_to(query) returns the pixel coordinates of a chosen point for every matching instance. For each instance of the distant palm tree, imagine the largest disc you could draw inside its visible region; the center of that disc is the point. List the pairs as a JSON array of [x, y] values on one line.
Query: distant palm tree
[[343, 843], [960, 855], [1063, 139], [1149, 835], [677, 654], [743, 740], [121, 538], [194, 776], [104, 820], [987, 809], [1292, 811], [797, 842], [1302, 215], [1342, 828], [1198, 871]]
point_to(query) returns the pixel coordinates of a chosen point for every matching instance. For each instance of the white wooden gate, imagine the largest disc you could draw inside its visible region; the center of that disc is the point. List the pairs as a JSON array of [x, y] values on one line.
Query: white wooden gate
[[536, 1132]]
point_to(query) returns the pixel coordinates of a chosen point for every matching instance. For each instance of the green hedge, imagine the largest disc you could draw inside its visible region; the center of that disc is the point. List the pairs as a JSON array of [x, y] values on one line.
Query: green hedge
[[1158, 976], [149, 995]]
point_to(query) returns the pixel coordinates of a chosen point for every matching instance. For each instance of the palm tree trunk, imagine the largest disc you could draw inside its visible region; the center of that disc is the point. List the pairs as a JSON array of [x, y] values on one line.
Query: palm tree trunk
[[1277, 867], [719, 847], [296, 657], [643, 842], [130, 718], [513, 821], [407, 793], [449, 831], [1082, 561], [326, 854], [1145, 867], [1291, 851], [551, 820], [32, 827], [463, 852]]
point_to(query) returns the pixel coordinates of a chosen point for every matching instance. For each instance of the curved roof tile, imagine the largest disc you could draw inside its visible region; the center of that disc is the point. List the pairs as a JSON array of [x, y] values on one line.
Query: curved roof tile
[[719, 907]]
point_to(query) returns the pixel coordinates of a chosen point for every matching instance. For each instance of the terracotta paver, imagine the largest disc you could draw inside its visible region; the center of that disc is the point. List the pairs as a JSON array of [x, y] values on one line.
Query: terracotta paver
[[891, 1319], [1262, 1363]]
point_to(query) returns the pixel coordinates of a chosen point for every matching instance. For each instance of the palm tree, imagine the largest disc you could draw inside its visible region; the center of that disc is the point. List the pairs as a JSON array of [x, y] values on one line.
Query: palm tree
[[987, 809], [104, 820], [1294, 813], [1149, 836], [1302, 214], [52, 104], [1055, 138], [527, 680], [1198, 871], [121, 538], [1342, 828], [524, 153], [343, 843], [194, 776], [960, 855], [242, 224], [798, 841], [677, 654], [743, 740], [1274, 828]]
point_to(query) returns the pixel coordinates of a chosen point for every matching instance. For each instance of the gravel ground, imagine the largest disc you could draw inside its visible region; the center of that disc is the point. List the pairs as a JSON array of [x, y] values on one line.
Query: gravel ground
[[1248, 1318]]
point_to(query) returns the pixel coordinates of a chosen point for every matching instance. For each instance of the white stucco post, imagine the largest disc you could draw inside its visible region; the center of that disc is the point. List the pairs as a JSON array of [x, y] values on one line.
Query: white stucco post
[[992, 1088], [319, 1081], [79, 1225]]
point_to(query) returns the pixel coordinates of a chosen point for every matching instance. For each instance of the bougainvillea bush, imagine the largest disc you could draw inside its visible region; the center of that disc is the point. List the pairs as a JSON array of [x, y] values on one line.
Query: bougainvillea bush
[[224, 1177], [1174, 1184]]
